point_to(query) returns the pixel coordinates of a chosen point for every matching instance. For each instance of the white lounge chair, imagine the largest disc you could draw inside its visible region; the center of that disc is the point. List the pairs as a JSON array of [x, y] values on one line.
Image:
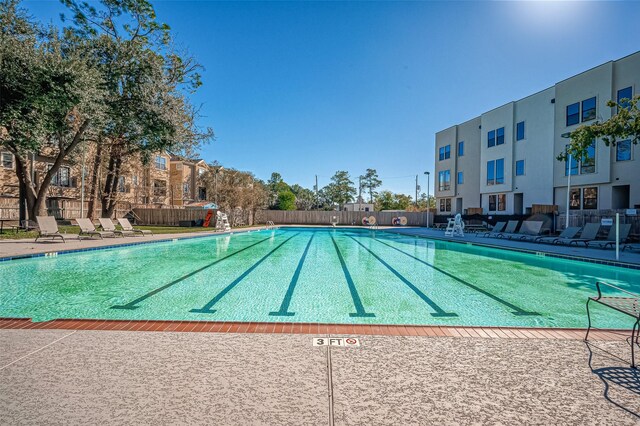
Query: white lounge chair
[[107, 225], [126, 225], [48, 228], [87, 228]]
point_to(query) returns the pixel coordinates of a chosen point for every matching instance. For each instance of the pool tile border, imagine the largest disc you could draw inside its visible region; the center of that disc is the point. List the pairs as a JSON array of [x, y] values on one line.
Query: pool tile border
[[523, 250], [176, 237], [313, 329]]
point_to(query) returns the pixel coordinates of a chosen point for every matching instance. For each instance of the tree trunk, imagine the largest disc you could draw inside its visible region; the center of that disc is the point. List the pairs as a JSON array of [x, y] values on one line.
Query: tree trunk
[[93, 189], [109, 198]]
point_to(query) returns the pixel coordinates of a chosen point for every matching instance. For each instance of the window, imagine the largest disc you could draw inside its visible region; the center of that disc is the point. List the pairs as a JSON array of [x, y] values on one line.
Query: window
[[520, 168], [185, 188], [491, 172], [202, 194], [573, 114], [121, 184], [445, 204], [589, 109], [492, 203], [573, 166], [502, 202], [520, 131], [590, 198], [588, 163], [444, 180], [7, 160], [161, 163], [444, 152], [200, 171], [61, 178], [491, 136], [623, 150], [460, 148], [574, 199], [159, 188], [135, 180], [460, 178], [626, 93], [499, 171], [500, 136]]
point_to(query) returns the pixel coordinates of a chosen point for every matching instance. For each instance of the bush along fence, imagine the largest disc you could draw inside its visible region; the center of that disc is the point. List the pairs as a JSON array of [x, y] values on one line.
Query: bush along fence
[[318, 217]]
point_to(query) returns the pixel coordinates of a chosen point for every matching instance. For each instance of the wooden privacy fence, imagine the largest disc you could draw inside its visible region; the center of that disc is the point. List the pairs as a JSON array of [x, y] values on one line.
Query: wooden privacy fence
[[317, 217], [170, 217]]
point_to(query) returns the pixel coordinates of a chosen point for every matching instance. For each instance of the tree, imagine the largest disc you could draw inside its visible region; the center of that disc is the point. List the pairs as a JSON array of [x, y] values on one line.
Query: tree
[[424, 202], [341, 189], [50, 97], [623, 125], [286, 200], [275, 185], [305, 198], [146, 83], [387, 200], [371, 182]]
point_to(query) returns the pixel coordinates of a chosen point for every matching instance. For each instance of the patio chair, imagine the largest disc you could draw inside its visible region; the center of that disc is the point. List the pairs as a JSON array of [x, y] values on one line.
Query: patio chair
[[48, 228], [529, 230], [611, 237], [631, 247], [87, 228], [107, 225], [498, 227], [589, 233], [509, 229], [567, 234], [126, 225]]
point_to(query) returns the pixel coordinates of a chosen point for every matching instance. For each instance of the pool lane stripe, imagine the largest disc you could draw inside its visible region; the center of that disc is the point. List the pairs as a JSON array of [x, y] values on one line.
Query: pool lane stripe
[[360, 311], [284, 306], [516, 310], [439, 312], [206, 309], [133, 303]]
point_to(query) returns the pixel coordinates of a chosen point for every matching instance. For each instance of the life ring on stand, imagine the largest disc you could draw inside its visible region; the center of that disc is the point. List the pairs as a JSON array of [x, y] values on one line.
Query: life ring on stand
[[395, 221], [365, 221]]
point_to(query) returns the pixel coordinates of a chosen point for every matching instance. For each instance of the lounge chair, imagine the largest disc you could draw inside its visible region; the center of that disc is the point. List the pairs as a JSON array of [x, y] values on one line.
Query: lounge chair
[[48, 228], [611, 237], [107, 225], [87, 228], [498, 227], [631, 247], [589, 233], [510, 229], [529, 230], [126, 225], [568, 234]]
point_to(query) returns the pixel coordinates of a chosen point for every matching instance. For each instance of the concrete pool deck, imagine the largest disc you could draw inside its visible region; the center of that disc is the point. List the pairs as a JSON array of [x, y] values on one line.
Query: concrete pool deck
[[119, 377]]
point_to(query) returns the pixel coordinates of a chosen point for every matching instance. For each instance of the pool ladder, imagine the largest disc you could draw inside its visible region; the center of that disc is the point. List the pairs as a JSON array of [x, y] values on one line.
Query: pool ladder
[[270, 225]]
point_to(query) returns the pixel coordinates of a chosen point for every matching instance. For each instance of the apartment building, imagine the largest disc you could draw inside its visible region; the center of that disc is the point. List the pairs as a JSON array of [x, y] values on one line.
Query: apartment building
[[504, 161], [164, 181], [185, 178]]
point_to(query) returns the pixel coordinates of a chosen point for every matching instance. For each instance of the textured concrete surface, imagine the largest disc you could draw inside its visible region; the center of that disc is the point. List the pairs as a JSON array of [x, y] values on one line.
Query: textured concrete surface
[[116, 377], [101, 377], [421, 381]]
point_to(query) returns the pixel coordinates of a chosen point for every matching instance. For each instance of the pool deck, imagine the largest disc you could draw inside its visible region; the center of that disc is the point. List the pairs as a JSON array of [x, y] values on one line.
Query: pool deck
[[120, 377]]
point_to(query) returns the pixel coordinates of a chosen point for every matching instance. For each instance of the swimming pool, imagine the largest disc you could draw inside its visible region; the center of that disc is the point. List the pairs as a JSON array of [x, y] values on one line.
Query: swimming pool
[[320, 275]]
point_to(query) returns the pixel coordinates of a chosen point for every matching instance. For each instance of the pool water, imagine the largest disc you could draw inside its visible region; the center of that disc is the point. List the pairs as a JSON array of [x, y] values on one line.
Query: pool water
[[312, 275]]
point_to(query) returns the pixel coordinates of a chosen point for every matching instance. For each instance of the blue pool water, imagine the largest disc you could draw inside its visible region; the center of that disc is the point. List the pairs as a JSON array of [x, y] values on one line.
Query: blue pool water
[[312, 275]]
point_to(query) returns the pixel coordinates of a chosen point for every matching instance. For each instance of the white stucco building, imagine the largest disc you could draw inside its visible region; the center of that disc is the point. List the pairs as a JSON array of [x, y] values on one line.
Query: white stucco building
[[504, 161]]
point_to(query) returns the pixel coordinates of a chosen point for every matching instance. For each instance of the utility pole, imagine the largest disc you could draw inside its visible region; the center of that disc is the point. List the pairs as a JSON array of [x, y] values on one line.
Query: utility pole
[[417, 189], [428, 197], [359, 192], [316, 188]]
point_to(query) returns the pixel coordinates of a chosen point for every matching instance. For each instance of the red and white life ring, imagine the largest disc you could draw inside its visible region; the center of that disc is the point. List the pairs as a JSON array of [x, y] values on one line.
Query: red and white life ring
[[395, 221], [365, 221]]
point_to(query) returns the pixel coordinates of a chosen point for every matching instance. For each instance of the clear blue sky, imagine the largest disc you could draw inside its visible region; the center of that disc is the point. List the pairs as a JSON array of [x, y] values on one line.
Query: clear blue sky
[[306, 88]]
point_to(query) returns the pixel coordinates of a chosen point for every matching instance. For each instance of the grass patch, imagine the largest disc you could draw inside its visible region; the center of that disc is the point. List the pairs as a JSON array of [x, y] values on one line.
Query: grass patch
[[10, 234]]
